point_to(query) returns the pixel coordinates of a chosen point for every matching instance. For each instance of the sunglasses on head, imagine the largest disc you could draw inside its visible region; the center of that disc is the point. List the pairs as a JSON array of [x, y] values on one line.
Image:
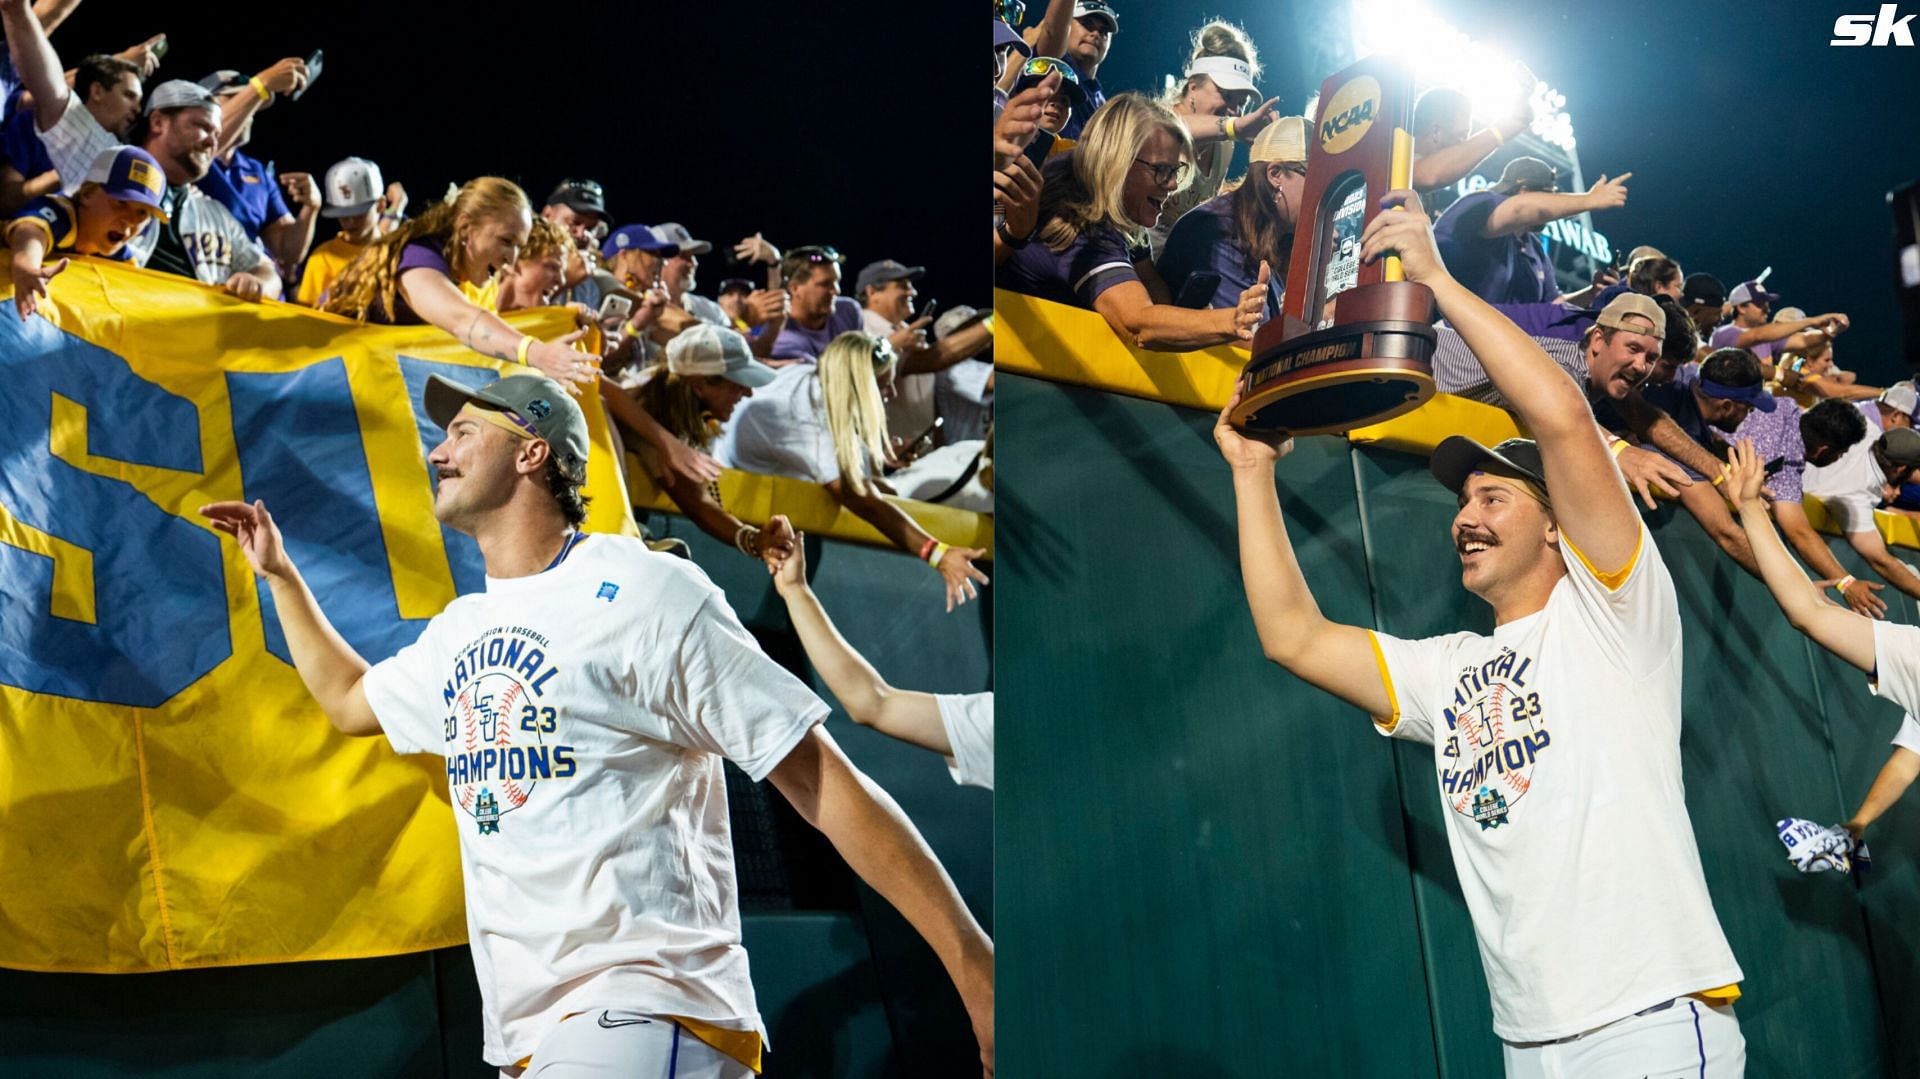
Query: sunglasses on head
[[1011, 10], [823, 253]]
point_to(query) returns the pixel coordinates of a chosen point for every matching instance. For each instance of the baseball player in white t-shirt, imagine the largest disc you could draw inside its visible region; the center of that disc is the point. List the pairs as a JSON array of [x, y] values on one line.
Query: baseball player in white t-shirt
[[958, 726], [1556, 740], [1888, 652], [583, 703]]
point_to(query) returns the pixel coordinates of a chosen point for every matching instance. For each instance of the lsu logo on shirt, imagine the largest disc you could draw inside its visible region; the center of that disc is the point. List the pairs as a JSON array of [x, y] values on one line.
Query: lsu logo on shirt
[[501, 727], [1496, 729]]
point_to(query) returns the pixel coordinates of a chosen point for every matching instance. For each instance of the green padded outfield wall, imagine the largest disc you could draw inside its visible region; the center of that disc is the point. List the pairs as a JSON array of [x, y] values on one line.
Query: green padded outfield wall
[[1210, 868], [846, 987]]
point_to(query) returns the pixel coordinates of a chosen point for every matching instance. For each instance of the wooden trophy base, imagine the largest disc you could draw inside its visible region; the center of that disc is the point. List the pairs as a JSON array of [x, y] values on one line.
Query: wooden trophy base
[[1371, 365]]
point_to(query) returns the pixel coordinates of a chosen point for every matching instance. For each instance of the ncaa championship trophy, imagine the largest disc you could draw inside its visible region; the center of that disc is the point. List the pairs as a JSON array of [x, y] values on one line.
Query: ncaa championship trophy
[[1352, 343]]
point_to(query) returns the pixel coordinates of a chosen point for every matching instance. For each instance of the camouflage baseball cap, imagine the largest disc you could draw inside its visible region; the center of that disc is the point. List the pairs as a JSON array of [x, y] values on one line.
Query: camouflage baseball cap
[[537, 404]]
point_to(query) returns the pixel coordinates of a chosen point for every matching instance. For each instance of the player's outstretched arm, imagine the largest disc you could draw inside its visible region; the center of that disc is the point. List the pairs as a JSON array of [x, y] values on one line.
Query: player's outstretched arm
[[1293, 633], [869, 830], [1902, 767], [1590, 501], [908, 715], [328, 665], [1838, 630]]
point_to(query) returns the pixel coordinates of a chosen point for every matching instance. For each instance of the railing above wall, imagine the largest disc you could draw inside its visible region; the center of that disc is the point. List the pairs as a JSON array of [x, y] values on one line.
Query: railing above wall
[[1071, 344]]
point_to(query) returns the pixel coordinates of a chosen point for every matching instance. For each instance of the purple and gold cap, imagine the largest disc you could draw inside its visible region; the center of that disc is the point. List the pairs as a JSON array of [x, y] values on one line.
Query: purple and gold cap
[[131, 174]]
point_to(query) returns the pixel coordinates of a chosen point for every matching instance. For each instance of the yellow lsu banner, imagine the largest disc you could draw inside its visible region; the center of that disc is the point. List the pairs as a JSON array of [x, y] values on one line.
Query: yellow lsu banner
[[170, 795]]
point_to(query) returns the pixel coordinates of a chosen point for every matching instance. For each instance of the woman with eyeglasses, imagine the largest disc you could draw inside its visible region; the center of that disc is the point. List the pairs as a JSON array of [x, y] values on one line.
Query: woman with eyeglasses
[[826, 423], [1088, 247], [1251, 223], [1213, 101]]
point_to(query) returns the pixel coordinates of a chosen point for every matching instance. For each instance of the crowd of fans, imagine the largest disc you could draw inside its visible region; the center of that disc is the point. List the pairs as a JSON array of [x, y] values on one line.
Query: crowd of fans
[[863, 394], [1121, 204]]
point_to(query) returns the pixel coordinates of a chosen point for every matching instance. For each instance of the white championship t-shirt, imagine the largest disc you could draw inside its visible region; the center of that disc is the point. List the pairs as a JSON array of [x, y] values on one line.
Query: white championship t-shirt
[[968, 718], [782, 429], [584, 712], [1557, 760]]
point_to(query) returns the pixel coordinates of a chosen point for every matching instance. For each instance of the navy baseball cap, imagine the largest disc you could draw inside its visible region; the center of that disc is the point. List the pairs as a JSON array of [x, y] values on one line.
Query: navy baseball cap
[[1458, 457], [1751, 292], [580, 196], [1703, 288], [130, 174], [735, 284], [635, 238], [1529, 172], [1755, 395], [1038, 68]]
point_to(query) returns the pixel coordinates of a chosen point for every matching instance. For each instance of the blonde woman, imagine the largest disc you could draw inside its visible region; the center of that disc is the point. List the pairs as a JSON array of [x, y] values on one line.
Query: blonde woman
[[1220, 105], [1250, 223], [540, 271], [417, 273], [826, 422], [1089, 248], [706, 373]]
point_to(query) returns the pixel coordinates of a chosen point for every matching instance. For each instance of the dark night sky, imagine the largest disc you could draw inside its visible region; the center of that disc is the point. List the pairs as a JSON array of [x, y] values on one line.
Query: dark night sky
[[1752, 142], [813, 124]]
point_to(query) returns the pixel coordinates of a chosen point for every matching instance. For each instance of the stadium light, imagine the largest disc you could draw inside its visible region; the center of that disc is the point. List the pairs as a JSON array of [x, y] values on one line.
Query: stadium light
[[1441, 55]]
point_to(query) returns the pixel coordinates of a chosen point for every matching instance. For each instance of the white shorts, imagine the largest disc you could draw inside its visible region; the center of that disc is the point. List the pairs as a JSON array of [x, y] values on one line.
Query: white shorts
[[1686, 1037], [626, 1045]]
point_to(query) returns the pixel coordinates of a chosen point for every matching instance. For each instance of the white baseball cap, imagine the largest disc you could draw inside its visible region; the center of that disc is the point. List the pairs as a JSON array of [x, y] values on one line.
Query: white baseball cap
[[1227, 72], [353, 187], [1902, 397], [673, 232], [706, 349]]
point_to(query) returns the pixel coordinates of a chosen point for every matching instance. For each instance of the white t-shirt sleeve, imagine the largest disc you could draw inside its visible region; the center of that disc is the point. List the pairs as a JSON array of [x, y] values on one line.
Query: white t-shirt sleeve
[[73, 142], [723, 695], [1415, 674], [1633, 610], [1908, 737], [1896, 664], [246, 254], [968, 719], [405, 692]]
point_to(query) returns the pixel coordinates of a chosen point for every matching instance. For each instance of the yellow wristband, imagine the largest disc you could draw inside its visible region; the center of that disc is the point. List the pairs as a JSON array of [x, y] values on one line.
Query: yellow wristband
[[1721, 478], [1498, 138], [1226, 127], [939, 550], [520, 353], [1843, 584], [260, 88], [1619, 445]]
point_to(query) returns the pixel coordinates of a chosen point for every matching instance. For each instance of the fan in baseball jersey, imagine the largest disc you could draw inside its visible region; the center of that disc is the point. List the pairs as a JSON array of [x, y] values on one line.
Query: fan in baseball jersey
[[583, 704], [1556, 738]]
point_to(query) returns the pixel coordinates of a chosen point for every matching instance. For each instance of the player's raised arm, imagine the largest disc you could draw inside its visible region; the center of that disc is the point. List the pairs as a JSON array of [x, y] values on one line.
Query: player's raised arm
[[328, 665], [1293, 633], [1591, 504], [1837, 629]]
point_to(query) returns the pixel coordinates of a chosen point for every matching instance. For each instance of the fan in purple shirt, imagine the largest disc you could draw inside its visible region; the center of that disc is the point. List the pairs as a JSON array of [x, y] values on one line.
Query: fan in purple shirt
[[1231, 234], [1751, 330], [819, 313], [1490, 240]]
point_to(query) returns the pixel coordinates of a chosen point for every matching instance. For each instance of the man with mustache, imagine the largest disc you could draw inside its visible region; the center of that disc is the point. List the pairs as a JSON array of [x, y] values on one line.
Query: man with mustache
[[1556, 738]]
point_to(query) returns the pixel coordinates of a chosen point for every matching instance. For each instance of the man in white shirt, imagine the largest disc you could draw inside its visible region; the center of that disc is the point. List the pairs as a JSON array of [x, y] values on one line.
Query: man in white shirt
[[584, 703], [1851, 487], [75, 125], [1556, 740]]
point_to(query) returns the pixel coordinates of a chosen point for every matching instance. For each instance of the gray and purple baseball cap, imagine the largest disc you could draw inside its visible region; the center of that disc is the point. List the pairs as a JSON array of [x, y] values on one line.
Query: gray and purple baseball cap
[[1751, 292], [1006, 37], [879, 273]]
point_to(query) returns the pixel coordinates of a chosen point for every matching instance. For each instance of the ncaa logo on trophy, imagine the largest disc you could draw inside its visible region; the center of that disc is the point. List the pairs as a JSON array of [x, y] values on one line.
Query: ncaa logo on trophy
[[1353, 342]]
